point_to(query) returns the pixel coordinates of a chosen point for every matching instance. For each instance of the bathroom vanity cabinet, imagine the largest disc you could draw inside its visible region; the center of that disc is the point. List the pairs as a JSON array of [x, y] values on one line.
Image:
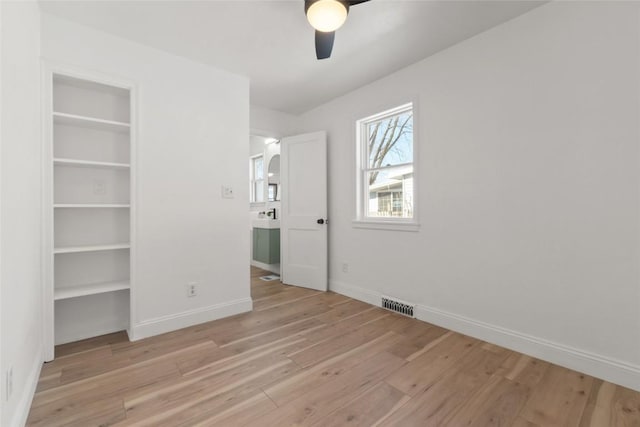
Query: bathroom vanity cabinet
[[266, 245]]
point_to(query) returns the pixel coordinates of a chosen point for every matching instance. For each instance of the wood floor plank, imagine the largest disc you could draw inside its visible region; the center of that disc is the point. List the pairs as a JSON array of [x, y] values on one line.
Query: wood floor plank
[[367, 409], [435, 401], [323, 359], [333, 299], [97, 413], [343, 311], [106, 385], [246, 412], [496, 403], [339, 344], [250, 342], [291, 296], [57, 365], [188, 389], [314, 404], [417, 335], [280, 347], [559, 399], [90, 344], [613, 405], [346, 326], [205, 397], [287, 389], [523, 369], [430, 366], [133, 357], [269, 319]]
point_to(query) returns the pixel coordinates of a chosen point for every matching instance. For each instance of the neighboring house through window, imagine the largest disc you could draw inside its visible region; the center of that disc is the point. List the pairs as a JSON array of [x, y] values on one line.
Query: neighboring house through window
[[257, 179], [386, 167]]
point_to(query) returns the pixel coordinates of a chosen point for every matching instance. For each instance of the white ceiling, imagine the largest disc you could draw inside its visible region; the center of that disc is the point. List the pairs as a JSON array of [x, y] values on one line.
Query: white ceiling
[[272, 43]]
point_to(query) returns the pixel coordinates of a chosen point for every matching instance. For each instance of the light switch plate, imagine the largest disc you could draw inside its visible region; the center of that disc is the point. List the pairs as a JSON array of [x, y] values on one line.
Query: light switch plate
[[227, 192]]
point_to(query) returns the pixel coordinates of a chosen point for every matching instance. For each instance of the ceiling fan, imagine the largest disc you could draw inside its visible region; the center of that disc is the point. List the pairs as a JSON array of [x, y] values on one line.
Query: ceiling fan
[[326, 16]]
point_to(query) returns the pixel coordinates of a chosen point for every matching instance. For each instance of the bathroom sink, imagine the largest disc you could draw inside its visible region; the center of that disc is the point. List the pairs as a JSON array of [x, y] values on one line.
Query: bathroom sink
[[265, 223]]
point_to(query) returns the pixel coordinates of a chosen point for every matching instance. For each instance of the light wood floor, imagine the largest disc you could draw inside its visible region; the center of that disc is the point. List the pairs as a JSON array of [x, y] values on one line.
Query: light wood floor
[[308, 358]]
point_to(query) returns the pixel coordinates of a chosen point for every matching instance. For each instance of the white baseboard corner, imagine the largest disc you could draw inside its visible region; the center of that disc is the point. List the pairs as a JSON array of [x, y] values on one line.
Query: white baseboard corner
[[274, 268], [608, 369], [161, 325], [23, 407]]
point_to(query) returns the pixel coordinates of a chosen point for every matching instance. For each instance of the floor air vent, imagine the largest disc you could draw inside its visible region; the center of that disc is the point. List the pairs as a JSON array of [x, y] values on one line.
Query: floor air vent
[[398, 306]]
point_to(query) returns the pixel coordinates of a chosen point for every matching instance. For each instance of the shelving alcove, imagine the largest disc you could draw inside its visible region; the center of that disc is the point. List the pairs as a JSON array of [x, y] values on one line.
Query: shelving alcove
[[89, 205]]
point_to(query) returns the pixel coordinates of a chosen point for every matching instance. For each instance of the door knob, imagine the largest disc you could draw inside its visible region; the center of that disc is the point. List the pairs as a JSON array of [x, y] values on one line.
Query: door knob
[[322, 221]]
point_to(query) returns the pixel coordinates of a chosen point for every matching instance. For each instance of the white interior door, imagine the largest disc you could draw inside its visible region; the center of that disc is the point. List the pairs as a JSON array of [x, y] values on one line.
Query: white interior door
[[303, 225]]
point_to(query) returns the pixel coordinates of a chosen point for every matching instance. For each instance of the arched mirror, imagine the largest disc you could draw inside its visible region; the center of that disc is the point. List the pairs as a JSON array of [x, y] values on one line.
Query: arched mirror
[[274, 178]]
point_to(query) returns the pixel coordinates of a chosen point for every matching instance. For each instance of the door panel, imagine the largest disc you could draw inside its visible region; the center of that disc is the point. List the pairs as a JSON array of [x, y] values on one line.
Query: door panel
[[304, 202]]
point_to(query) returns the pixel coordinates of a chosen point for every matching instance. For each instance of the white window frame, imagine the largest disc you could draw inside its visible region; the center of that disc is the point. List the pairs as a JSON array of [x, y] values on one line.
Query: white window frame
[[362, 220], [253, 181]]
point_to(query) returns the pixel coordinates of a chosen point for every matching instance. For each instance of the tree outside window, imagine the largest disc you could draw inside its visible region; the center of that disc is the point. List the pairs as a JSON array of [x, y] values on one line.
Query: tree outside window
[[387, 165]]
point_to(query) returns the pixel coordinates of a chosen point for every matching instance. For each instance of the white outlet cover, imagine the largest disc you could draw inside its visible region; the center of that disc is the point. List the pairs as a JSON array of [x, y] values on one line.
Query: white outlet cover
[[192, 289], [227, 192], [99, 187]]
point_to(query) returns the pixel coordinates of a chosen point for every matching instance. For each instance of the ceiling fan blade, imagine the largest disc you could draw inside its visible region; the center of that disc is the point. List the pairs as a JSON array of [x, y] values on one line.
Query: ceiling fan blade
[[355, 2], [324, 44]]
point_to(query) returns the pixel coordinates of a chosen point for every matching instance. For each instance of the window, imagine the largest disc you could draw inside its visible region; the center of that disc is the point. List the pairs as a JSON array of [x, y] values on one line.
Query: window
[[257, 179], [386, 167]]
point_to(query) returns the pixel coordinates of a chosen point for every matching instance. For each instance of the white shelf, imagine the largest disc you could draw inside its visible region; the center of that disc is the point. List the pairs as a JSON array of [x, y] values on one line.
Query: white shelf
[[92, 289], [91, 122], [90, 248], [89, 163], [88, 205]]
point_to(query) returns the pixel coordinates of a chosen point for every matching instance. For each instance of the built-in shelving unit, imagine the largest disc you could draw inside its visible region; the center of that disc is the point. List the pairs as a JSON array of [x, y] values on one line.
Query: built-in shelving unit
[[90, 206]]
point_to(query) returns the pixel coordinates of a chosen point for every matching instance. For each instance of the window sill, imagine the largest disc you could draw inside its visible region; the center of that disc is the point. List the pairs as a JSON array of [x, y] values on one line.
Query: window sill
[[386, 225]]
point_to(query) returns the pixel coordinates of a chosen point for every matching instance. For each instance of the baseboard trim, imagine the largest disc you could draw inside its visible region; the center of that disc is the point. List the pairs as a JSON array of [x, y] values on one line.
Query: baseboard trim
[[606, 368], [160, 325], [24, 405], [355, 292], [612, 370]]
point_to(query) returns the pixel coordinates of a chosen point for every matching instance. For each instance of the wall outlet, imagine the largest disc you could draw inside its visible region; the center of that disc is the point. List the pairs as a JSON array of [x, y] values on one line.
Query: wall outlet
[[345, 267], [192, 289], [99, 187], [9, 384], [227, 192]]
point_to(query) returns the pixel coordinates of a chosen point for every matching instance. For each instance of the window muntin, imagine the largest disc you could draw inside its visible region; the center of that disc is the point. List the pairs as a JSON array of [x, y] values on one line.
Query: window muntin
[[386, 165], [257, 179]]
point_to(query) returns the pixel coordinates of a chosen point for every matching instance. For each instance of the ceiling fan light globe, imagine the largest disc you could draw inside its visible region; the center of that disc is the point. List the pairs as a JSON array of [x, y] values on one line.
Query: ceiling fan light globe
[[327, 15]]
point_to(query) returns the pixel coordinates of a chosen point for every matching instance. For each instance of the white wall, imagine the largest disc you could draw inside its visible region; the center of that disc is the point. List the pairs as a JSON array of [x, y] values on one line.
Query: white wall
[[267, 122], [20, 224], [193, 137], [528, 188]]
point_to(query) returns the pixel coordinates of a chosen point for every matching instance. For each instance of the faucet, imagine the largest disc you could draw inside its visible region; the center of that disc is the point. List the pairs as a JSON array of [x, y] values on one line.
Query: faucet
[[272, 213]]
